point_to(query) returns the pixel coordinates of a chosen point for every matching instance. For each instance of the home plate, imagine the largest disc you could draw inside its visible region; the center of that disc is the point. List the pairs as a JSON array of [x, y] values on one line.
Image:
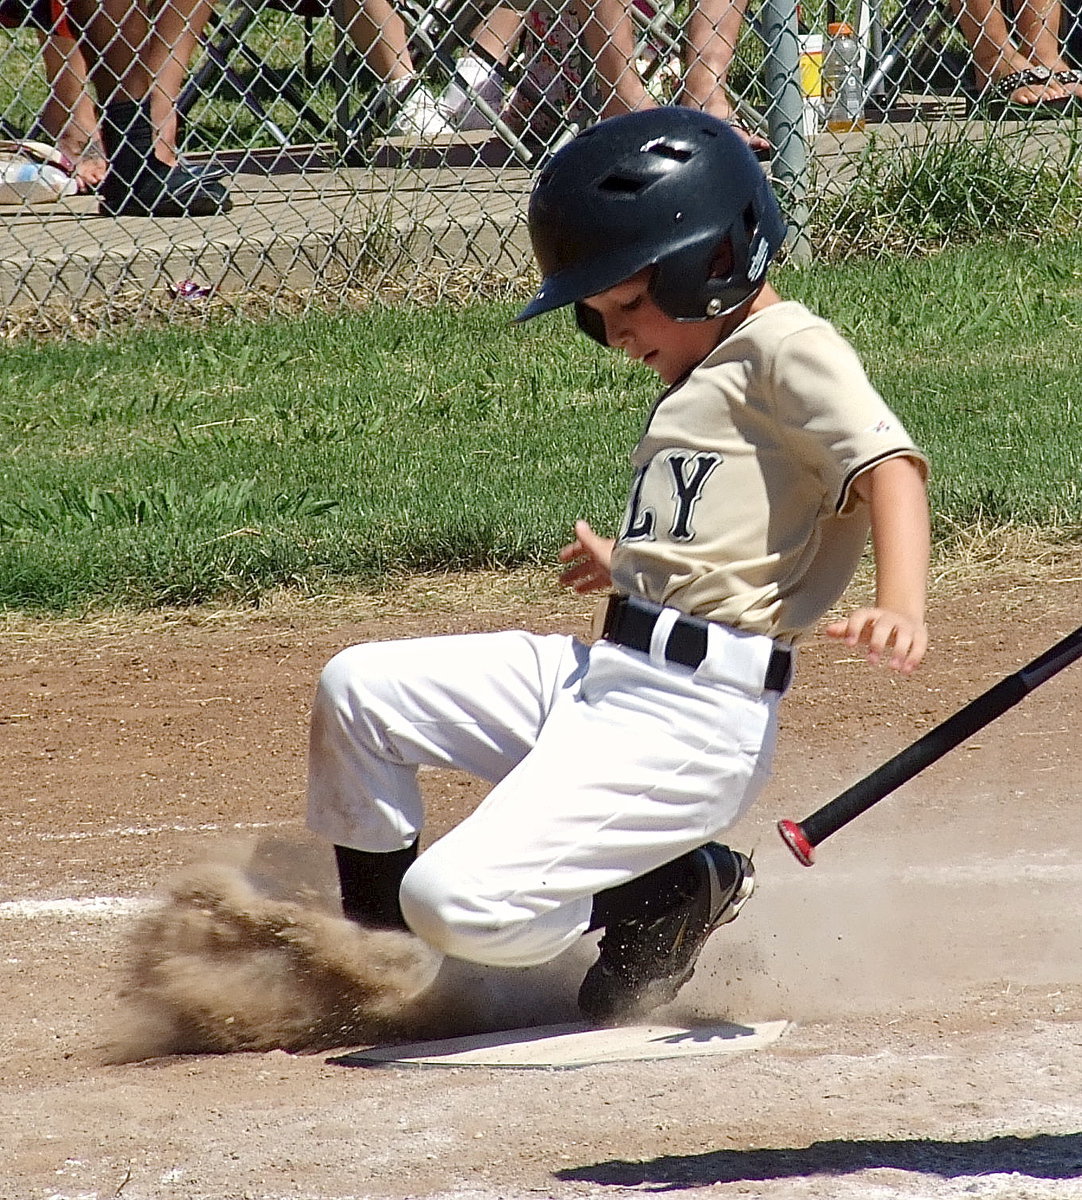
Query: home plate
[[575, 1045]]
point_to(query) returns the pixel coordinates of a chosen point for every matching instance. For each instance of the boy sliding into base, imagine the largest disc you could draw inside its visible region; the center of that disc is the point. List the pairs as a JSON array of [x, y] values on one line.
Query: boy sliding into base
[[615, 766]]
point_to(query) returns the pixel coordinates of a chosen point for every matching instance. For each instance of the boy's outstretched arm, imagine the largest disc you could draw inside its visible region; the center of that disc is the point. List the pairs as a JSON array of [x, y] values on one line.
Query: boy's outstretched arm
[[895, 493], [591, 559]]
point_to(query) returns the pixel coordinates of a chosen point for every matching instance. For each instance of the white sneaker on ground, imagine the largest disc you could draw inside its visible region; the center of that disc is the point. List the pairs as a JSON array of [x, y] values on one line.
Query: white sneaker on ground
[[419, 115], [473, 78]]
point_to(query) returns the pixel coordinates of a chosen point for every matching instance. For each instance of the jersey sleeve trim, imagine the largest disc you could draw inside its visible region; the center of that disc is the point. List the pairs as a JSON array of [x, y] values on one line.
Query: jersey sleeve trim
[[845, 497]]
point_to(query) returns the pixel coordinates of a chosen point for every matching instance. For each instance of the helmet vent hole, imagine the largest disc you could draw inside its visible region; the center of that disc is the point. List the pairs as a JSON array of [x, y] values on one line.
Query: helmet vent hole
[[627, 185], [668, 150]]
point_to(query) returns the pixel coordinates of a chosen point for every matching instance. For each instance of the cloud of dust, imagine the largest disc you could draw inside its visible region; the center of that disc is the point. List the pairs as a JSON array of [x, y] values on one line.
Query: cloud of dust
[[905, 923], [249, 951], [246, 952]]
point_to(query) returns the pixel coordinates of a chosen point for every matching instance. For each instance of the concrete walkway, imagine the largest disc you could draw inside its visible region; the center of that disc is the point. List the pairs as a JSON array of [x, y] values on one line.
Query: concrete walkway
[[297, 223]]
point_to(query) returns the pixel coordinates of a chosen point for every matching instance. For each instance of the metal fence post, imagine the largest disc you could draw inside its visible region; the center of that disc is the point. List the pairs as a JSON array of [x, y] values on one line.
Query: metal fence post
[[786, 120], [340, 69]]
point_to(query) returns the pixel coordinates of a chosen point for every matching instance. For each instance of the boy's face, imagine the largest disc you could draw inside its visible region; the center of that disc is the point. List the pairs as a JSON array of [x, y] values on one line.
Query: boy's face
[[635, 324]]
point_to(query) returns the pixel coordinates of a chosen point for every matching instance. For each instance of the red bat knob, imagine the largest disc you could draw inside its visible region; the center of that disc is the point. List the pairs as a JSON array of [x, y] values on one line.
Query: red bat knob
[[796, 839]]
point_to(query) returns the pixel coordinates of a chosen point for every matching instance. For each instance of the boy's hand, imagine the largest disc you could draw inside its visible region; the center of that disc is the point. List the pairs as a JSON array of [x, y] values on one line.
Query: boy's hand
[[883, 631], [591, 557]]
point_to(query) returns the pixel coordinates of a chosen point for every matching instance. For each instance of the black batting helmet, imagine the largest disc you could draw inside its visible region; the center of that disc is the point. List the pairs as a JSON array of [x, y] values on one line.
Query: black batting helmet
[[662, 188]]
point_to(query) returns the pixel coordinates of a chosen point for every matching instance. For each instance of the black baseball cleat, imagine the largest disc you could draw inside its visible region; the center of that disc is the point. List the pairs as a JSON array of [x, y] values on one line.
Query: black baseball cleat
[[644, 962]]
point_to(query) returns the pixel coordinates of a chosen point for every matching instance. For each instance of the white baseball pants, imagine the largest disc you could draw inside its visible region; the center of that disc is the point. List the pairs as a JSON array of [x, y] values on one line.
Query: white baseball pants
[[606, 763]]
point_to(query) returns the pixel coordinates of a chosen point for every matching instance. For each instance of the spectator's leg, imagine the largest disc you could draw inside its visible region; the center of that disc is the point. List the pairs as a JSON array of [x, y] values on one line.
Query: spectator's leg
[[498, 32], [1038, 25], [379, 32], [69, 118], [114, 38], [995, 56], [609, 34], [712, 33], [175, 31]]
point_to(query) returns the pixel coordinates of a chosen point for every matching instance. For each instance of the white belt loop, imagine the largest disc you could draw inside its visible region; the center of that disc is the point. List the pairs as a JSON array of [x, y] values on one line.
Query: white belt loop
[[659, 638], [736, 657]]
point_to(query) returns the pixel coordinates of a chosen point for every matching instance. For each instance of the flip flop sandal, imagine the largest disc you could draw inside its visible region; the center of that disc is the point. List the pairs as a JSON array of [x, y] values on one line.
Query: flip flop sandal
[[999, 103], [1070, 79]]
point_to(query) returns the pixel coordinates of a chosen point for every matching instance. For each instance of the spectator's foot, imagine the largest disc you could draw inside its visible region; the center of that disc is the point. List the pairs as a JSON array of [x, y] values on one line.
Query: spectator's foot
[[88, 165], [760, 146], [1034, 90], [139, 184], [720, 106], [412, 111], [474, 79], [82, 157]]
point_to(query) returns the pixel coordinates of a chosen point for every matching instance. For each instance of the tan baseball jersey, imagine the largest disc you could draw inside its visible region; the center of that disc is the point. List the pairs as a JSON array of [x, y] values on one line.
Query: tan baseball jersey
[[741, 507]]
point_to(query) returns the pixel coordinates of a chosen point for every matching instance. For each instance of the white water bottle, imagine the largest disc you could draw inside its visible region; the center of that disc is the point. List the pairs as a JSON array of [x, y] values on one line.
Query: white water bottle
[[843, 87], [33, 182]]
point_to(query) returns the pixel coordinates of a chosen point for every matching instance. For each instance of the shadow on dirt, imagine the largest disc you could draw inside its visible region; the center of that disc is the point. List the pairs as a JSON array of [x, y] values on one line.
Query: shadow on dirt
[[1043, 1156]]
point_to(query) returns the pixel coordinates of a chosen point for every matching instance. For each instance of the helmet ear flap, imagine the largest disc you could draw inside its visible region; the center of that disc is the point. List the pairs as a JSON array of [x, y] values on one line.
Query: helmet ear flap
[[591, 322], [712, 279], [680, 283]]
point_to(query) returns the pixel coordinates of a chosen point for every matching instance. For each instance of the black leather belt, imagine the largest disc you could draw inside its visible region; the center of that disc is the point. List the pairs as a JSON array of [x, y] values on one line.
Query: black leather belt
[[630, 621]]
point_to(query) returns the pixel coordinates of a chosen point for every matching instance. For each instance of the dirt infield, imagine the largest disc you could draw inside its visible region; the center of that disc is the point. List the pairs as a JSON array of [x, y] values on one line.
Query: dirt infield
[[931, 963]]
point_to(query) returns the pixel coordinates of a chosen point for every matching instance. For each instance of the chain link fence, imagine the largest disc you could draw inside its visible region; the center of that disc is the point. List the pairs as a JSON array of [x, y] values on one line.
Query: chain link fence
[[288, 153]]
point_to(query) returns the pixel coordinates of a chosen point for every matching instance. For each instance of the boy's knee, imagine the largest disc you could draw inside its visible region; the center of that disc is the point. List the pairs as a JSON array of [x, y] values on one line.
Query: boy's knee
[[351, 681], [458, 915], [460, 924], [341, 673]]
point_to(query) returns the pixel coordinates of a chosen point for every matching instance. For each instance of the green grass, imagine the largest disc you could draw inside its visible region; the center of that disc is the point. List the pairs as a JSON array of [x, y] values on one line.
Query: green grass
[[959, 186], [979, 351], [181, 465]]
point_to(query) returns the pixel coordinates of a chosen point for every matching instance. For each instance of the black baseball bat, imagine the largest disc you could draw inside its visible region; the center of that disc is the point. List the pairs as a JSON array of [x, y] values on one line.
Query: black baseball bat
[[803, 837]]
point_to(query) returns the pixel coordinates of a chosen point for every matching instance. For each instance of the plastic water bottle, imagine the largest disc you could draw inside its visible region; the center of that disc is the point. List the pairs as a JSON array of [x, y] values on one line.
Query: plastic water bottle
[[34, 183], [843, 86]]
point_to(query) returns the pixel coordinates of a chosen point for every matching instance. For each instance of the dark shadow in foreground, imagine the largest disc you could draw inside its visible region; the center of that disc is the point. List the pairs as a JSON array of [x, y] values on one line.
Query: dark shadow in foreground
[[1042, 1156]]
